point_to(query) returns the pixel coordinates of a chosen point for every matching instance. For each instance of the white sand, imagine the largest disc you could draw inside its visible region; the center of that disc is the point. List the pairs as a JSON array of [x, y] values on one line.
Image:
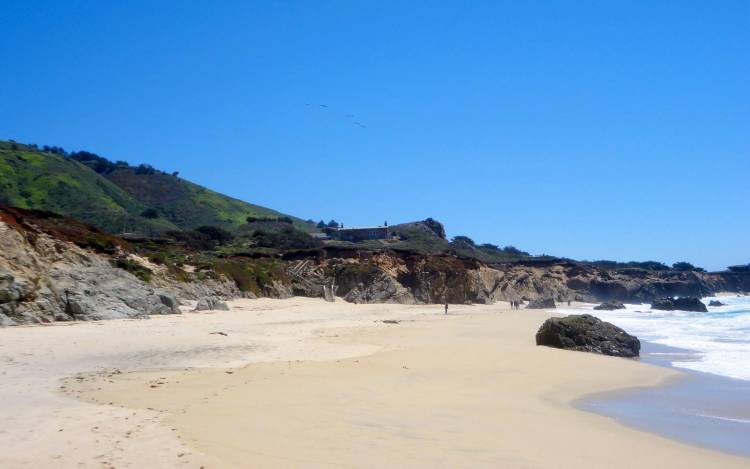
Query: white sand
[[467, 390], [39, 427]]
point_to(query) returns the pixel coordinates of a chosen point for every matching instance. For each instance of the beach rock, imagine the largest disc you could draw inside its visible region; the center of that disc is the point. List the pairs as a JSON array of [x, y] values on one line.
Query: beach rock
[[541, 303], [381, 289], [10, 290], [211, 303], [609, 306], [169, 301], [716, 303], [587, 333], [681, 304]]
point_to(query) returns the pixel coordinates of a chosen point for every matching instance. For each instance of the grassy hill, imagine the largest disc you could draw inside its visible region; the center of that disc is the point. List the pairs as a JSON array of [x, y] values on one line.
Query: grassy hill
[[186, 204], [36, 180], [141, 200], [116, 197]]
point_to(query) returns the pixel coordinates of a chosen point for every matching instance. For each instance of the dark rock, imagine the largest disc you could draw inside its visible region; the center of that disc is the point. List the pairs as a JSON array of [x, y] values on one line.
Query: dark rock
[[681, 304], [541, 303], [610, 306], [716, 303], [587, 333], [169, 301]]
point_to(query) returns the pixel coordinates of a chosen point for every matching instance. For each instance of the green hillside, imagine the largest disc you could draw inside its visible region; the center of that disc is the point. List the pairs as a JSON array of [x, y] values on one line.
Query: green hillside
[[116, 197], [183, 203], [38, 180]]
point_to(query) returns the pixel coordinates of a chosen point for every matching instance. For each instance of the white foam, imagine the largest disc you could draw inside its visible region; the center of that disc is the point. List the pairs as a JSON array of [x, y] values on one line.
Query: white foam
[[726, 419], [720, 339]]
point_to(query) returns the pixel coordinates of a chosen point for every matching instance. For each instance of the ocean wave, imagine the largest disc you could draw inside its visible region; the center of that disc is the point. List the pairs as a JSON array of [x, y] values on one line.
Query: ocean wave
[[719, 339]]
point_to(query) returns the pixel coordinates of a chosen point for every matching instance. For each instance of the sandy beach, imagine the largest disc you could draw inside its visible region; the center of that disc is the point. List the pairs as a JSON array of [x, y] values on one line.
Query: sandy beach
[[304, 383]]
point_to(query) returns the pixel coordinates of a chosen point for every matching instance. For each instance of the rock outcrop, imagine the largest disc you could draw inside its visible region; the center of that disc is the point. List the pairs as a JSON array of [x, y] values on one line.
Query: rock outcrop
[[541, 303], [680, 304], [587, 333], [210, 303], [609, 306], [715, 303], [43, 279]]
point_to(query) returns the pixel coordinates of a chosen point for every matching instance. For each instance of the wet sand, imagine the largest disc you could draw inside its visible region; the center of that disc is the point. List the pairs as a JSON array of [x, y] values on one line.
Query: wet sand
[[466, 390], [697, 408]]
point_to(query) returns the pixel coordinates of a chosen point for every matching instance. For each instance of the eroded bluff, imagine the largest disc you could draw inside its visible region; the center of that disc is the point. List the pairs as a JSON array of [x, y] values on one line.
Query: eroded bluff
[[57, 269]]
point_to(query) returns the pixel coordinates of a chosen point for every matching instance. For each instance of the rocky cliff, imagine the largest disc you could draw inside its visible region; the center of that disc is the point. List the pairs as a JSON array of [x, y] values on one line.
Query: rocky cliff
[[54, 268]]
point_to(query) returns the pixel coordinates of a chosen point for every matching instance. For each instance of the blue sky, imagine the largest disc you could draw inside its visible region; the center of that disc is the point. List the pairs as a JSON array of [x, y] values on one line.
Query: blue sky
[[588, 129]]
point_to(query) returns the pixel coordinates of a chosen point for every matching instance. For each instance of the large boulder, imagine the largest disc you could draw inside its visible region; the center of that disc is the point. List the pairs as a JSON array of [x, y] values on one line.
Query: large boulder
[[541, 303], [587, 333], [716, 303], [609, 306], [210, 303], [682, 304]]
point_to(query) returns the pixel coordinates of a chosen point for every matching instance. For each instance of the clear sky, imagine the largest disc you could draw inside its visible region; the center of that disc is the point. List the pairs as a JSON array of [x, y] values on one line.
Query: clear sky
[[588, 129]]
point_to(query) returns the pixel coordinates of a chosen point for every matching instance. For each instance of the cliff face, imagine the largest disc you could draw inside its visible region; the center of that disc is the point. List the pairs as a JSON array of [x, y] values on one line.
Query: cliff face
[[57, 269], [418, 278], [43, 279]]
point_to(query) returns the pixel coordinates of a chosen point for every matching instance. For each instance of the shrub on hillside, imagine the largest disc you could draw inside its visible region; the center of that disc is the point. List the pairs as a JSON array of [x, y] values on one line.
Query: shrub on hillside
[[683, 266], [150, 213], [215, 233], [463, 241], [143, 273], [284, 240]]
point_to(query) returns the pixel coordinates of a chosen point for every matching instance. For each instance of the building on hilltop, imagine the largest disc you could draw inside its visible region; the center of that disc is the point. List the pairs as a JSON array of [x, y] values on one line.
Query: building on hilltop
[[361, 234]]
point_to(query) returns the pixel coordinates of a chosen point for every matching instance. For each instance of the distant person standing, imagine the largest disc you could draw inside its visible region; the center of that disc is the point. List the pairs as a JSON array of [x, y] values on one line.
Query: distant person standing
[[446, 307]]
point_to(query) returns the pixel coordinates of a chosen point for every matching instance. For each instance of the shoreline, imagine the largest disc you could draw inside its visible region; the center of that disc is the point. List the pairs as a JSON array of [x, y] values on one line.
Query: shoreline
[[461, 397], [327, 383], [683, 408]]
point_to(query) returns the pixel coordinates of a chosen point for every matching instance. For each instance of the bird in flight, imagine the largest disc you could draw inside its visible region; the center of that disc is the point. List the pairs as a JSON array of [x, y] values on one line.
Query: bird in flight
[[348, 116]]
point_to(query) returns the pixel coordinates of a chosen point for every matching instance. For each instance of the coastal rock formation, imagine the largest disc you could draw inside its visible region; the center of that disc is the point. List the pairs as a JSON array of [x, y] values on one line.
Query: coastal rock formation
[[715, 303], [681, 304], [210, 303], [587, 333], [44, 279], [541, 303], [610, 306], [59, 269]]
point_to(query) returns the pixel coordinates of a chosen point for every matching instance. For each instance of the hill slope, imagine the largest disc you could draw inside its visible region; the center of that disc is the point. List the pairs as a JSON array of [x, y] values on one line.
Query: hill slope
[[37, 180], [115, 197], [183, 203]]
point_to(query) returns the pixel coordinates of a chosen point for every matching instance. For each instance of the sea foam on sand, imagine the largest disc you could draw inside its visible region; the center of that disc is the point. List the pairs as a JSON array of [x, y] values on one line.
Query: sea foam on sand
[[719, 340]]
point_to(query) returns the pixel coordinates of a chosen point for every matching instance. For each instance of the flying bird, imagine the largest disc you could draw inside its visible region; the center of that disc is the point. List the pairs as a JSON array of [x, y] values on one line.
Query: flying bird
[[348, 116]]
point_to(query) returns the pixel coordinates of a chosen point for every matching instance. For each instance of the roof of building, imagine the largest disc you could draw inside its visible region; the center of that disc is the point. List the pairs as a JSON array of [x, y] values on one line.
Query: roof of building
[[362, 228]]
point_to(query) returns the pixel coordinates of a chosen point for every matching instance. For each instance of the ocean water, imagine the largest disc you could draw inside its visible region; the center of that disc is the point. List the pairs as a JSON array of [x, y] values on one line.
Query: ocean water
[[716, 342], [710, 405]]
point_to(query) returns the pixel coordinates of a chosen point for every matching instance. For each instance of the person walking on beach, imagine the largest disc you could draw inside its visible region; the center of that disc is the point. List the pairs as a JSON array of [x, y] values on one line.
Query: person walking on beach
[[446, 307]]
